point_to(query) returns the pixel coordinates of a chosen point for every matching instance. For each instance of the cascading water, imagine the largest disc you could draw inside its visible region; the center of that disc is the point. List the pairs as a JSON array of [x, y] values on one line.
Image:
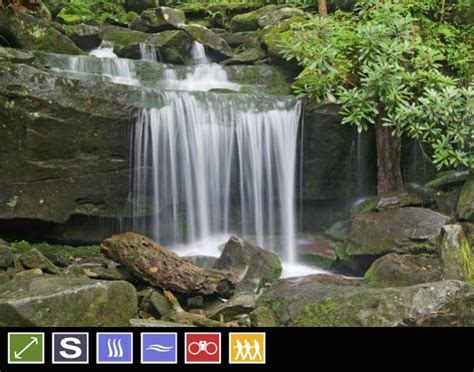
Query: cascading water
[[210, 166], [208, 163], [148, 52]]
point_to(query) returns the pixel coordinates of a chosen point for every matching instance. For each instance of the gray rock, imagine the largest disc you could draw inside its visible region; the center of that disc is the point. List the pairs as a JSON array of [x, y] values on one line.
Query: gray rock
[[279, 15], [455, 254], [139, 6], [395, 270], [159, 19], [311, 302], [206, 262], [154, 303], [84, 36], [34, 259], [251, 265], [6, 255], [237, 305], [44, 301], [402, 230], [208, 38], [173, 45]]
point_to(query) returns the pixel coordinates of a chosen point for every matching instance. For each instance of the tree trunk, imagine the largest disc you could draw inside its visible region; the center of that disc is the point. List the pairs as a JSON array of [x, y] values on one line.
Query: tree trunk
[[322, 8], [159, 267], [389, 177]]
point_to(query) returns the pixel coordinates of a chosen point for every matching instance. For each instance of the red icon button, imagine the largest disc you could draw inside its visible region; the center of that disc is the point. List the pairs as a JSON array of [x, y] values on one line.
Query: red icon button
[[203, 348]]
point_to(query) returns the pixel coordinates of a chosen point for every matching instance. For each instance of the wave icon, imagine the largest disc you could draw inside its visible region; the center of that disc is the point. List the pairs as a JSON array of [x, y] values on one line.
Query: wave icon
[[115, 348], [160, 348]]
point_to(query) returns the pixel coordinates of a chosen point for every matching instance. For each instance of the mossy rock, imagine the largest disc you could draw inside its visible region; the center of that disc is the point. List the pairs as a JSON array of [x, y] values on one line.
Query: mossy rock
[[364, 206], [395, 270], [254, 266], [33, 33], [279, 15], [319, 253], [263, 317], [139, 6], [173, 45], [400, 230], [45, 301], [159, 19], [34, 259], [249, 21], [84, 36], [447, 180], [208, 38], [339, 231], [247, 56], [457, 261], [465, 205]]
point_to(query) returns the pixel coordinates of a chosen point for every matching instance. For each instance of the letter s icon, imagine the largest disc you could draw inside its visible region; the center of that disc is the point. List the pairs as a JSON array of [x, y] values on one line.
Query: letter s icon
[[68, 344]]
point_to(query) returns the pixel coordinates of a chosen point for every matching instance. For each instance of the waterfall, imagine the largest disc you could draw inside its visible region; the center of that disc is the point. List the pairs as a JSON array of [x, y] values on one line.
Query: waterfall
[[208, 161], [217, 166], [212, 164], [148, 52]]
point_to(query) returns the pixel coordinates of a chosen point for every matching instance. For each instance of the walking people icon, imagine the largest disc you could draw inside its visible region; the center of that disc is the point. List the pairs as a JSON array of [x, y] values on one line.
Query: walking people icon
[[247, 348]]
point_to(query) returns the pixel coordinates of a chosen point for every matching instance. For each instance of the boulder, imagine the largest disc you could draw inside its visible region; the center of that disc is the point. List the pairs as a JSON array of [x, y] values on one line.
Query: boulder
[[44, 301], [263, 317], [84, 36], [396, 270], [237, 305], [6, 255], [34, 259], [159, 19], [401, 230], [287, 297], [173, 45], [27, 32], [455, 253], [251, 265], [126, 42], [208, 38], [465, 206], [236, 39], [339, 231], [246, 56], [195, 320], [154, 303], [319, 252], [139, 6], [312, 302], [249, 21], [108, 273], [279, 15]]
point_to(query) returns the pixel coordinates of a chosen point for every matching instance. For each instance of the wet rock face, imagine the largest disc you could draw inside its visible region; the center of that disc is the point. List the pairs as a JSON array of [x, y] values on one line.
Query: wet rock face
[[68, 150], [251, 265], [44, 301]]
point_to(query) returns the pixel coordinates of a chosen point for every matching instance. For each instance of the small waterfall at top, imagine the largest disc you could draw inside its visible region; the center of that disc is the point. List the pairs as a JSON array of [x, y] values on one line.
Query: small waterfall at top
[[148, 52], [211, 165]]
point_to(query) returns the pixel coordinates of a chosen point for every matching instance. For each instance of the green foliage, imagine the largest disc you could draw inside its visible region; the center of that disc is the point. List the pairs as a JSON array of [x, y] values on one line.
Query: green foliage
[[77, 11], [404, 64]]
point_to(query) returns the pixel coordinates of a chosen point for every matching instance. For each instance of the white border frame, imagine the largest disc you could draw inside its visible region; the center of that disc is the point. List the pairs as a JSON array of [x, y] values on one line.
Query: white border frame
[[113, 333], [249, 333], [26, 333], [175, 334], [70, 334], [202, 333]]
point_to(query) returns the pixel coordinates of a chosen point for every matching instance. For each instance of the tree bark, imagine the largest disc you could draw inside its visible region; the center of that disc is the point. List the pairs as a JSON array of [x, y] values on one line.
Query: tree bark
[[389, 177], [322, 8], [159, 267]]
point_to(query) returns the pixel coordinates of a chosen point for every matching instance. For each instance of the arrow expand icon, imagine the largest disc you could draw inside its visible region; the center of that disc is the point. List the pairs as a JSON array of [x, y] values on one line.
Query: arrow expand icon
[[34, 341]]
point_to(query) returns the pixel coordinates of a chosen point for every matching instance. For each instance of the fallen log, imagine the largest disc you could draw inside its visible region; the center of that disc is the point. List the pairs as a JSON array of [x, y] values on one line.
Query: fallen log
[[159, 267]]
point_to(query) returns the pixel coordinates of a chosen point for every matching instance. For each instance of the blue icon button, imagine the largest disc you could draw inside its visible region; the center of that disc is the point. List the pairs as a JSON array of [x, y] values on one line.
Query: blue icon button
[[159, 348], [114, 348]]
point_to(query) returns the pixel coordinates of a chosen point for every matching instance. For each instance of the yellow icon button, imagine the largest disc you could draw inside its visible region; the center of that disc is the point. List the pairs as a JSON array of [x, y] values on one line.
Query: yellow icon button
[[247, 348]]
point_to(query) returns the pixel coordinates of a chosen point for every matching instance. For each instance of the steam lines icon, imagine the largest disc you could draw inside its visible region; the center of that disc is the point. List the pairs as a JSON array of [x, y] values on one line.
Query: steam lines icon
[[115, 348]]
